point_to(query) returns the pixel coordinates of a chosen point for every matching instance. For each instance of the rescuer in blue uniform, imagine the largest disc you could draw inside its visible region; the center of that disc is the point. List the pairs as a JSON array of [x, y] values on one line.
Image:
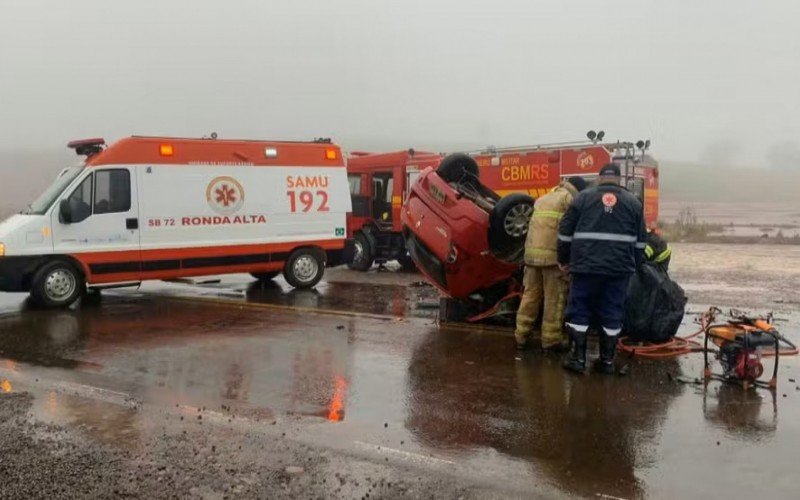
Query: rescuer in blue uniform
[[601, 242]]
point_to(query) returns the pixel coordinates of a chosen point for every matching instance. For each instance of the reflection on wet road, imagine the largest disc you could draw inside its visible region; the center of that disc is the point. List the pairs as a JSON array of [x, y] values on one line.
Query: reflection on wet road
[[450, 394]]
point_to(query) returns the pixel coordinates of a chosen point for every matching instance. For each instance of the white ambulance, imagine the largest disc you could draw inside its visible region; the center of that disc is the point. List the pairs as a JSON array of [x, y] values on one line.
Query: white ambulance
[[163, 208]]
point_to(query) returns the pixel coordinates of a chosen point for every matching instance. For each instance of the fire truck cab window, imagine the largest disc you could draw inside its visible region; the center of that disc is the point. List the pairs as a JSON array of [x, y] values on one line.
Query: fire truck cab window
[[355, 184], [412, 178], [112, 191], [382, 185]]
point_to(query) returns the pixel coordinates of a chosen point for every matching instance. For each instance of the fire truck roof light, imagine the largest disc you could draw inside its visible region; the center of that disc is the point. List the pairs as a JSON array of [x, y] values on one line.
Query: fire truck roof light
[[330, 154], [166, 150]]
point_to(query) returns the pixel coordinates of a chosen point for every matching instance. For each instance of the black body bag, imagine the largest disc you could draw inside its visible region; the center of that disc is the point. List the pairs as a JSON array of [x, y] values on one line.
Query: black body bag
[[655, 306]]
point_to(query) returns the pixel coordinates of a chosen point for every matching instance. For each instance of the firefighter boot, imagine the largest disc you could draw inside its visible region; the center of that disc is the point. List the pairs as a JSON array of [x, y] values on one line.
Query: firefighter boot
[[576, 359], [608, 347]]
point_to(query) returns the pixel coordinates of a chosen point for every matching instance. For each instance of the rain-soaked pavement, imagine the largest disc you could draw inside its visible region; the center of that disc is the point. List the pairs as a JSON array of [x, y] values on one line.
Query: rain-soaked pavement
[[354, 389]]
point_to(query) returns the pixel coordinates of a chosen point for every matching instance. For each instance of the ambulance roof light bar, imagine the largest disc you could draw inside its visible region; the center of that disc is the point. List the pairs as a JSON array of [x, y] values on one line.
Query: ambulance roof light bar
[[87, 147]]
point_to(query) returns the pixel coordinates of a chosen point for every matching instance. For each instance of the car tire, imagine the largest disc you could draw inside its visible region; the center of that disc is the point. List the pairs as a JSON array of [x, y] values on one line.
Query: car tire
[[456, 167], [362, 254], [57, 284], [305, 267], [509, 221], [266, 276]]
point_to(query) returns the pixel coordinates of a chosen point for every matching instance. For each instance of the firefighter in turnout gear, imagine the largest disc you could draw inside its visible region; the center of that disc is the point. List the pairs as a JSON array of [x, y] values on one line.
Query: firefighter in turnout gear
[[544, 281], [601, 241]]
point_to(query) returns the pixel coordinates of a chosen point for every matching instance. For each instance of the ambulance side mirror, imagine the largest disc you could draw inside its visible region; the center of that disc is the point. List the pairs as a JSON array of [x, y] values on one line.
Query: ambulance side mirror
[[64, 212]]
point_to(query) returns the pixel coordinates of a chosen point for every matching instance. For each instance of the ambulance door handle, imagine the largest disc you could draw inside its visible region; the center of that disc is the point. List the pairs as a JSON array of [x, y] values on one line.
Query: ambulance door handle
[[132, 224]]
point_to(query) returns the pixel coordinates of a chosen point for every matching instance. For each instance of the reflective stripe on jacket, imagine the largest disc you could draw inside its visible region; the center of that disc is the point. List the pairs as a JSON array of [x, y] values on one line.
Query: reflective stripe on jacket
[[542, 240], [603, 232], [657, 249]]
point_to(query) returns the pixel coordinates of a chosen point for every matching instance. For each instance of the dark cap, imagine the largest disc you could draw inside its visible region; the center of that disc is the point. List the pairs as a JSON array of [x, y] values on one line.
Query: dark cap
[[610, 170], [578, 182]]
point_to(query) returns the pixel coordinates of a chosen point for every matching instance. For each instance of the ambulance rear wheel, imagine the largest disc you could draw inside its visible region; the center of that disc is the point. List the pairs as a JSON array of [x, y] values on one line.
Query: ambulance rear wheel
[[265, 276], [57, 284], [304, 268]]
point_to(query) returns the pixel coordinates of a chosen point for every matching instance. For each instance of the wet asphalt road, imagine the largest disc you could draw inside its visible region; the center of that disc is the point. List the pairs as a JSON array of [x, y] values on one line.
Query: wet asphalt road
[[356, 385]]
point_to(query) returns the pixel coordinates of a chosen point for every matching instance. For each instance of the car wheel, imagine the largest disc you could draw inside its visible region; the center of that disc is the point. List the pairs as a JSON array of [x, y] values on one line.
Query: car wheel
[[362, 254], [305, 267], [509, 221], [268, 276], [57, 284], [456, 166]]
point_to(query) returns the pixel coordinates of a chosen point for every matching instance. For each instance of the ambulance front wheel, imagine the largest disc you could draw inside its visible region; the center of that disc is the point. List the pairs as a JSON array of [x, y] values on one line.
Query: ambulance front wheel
[[304, 268], [57, 284]]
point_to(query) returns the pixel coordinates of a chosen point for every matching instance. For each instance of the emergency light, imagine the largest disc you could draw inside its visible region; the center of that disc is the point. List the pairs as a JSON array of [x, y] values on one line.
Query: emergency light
[[87, 147]]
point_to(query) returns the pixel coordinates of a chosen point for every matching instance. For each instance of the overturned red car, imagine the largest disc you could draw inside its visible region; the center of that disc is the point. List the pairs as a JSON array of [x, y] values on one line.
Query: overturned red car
[[464, 237]]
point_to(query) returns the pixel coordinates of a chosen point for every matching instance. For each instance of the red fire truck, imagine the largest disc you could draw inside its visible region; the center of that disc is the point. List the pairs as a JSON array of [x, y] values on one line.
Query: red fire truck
[[379, 184]]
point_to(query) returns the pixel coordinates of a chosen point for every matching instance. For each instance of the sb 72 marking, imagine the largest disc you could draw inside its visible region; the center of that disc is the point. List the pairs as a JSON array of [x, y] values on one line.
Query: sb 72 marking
[[160, 222]]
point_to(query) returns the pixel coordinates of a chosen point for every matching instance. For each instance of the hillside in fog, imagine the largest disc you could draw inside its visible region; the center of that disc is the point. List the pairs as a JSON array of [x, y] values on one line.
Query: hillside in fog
[[695, 182]]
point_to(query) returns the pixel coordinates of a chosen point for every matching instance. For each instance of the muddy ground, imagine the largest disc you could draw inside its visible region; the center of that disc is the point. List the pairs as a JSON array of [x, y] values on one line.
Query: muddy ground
[[235, 389]]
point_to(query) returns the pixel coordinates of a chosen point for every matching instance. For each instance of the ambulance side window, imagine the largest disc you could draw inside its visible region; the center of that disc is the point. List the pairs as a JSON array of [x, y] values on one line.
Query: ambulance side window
[[112, 191], [80, 201]]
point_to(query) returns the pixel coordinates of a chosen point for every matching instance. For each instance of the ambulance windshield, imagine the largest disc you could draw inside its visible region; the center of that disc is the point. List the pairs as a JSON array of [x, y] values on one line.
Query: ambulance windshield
[[46, 199]]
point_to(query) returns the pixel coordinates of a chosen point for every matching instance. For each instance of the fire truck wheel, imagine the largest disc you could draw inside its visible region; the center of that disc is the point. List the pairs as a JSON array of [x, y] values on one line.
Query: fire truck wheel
[[509, 220], [305, 267], [265, 276], [455, 166], [362, 254], [57, 284]]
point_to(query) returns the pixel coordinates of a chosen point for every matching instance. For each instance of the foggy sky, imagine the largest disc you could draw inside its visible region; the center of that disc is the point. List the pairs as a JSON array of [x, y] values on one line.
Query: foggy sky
[[703, 79]]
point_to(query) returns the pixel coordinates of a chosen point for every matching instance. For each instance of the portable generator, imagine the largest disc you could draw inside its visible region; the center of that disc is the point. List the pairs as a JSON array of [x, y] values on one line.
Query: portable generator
[[741, 342]]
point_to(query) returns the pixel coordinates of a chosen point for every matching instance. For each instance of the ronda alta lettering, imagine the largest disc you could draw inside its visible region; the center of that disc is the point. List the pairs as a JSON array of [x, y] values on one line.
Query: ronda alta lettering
[[221, 220]]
